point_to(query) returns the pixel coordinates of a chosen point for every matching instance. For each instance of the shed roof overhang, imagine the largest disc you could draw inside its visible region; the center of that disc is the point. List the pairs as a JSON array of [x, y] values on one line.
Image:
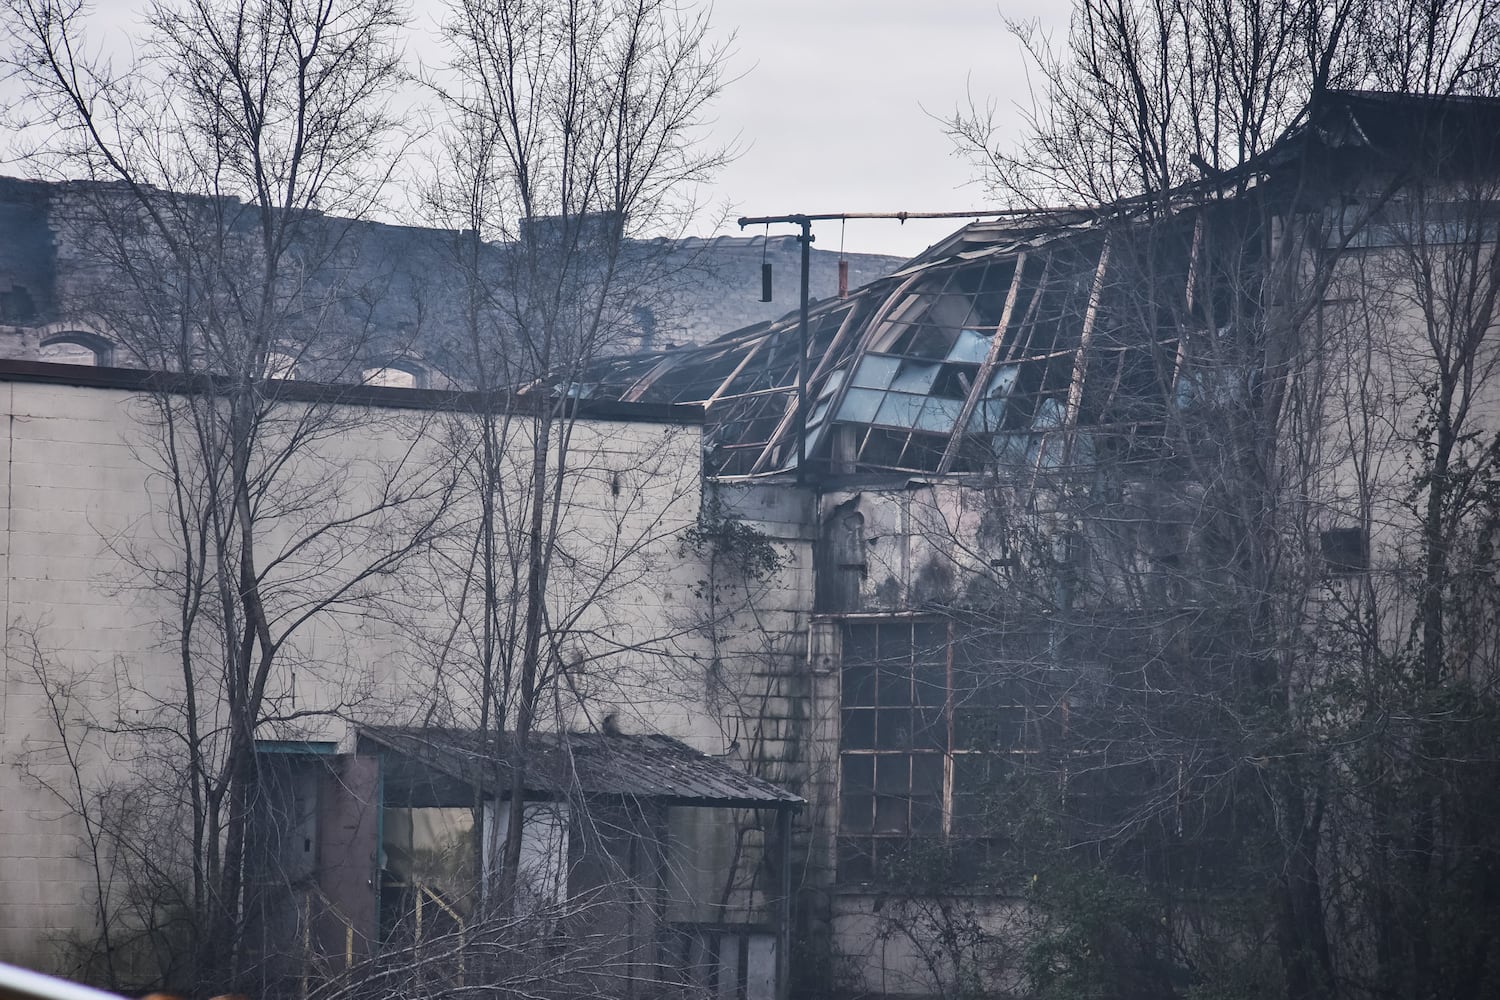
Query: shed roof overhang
[[425, 763]]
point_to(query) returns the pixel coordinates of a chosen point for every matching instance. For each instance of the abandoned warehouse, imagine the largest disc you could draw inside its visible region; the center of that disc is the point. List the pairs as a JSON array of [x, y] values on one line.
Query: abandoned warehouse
[[1118, 606]]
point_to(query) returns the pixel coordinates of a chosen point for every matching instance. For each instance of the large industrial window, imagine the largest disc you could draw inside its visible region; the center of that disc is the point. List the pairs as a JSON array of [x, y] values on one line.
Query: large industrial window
[[931, 719]]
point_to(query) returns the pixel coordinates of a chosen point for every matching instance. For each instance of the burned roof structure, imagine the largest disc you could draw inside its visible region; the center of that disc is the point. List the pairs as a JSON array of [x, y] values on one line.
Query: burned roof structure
[[1042, 339]]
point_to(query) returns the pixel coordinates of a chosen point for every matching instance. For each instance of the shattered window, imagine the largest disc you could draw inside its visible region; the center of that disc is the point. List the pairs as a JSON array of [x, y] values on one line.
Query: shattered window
[[972, 347], [1005, 354], [1405, 224]]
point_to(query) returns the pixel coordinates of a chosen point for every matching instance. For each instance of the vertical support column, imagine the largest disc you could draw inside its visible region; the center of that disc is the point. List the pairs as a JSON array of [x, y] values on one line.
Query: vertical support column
[[784, 921], [1080, 370], [986, 369], [806, 240], [1190, 300], [1085, 338]]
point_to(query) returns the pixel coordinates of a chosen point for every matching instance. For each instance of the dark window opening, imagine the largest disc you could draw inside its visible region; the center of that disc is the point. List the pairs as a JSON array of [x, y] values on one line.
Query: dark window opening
[[920, 727], [17, 305], [311, 860], [1345, 550]]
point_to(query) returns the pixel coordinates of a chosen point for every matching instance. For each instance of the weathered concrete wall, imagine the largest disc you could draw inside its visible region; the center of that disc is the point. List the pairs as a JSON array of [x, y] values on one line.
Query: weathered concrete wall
[[401, 280], [724, 293], [88, 615]]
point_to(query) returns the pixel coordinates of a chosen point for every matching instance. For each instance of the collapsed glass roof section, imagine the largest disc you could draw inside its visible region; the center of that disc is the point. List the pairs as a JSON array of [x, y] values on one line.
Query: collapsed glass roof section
[[1032, 343], [942, 367]]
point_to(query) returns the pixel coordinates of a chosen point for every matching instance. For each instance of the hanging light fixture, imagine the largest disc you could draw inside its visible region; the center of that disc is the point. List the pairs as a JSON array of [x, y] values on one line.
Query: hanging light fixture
[[843, 263], [765, 267]]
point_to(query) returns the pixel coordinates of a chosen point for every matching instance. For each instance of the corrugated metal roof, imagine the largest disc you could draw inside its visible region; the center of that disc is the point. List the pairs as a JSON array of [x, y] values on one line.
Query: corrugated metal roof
[[640, 766]]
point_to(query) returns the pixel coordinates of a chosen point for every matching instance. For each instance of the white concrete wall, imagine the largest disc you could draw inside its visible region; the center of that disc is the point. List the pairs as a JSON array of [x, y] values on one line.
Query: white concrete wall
[[84, 512]]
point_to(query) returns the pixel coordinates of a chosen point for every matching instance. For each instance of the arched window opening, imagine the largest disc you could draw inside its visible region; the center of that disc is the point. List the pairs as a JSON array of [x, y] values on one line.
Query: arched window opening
[[282, 366], [396, 376], [76, 347]]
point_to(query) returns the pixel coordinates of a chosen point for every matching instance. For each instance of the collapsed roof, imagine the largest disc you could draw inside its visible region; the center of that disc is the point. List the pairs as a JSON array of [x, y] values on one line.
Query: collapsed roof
[[1034, 340]]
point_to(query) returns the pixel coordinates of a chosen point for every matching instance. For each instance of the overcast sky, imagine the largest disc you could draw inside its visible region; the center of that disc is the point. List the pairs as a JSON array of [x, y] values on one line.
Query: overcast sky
[[834, 105]]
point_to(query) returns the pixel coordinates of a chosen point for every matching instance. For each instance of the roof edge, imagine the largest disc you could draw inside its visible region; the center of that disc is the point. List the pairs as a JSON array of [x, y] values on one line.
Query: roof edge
[[385, 397]]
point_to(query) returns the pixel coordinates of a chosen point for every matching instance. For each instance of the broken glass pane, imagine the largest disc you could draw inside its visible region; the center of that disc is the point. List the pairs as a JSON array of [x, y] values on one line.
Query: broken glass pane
[[860, 405], [856, 859], [1211, 386], [856, 811], [858, 684], [859, 729], [931, 686], [987, 416], [1083, 449], [895, 685], [900, 409], [1049, 414], [939, 415], [1002, 381], [859, 643], [813, 435], [955, 381], [1050, 455], [895, 643], [931, 728], [971, 346], [894, 729], [859, 773], [971, 774], [930, 642], [974, 729], [831, 383], [892, 774], [927, 774], [1014, 449], [915, 377], [876, 371], [890, 814], [926, 815]]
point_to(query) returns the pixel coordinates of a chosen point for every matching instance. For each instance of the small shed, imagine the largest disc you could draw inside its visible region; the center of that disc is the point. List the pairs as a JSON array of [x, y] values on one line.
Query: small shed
[[644, 863]]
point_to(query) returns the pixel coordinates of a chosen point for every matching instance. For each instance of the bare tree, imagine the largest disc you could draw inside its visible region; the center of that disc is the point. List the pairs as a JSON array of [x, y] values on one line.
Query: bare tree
[[572, 128], [206, 253], [1139, 99], [1262, 609]]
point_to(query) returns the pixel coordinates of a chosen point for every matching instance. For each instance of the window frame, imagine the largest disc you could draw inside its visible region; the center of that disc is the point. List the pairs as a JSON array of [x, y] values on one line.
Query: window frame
[[960, 707], [101, 348]]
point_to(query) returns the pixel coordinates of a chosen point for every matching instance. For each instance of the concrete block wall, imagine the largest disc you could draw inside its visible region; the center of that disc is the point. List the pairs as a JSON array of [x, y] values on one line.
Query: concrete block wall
[[82, 512]]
